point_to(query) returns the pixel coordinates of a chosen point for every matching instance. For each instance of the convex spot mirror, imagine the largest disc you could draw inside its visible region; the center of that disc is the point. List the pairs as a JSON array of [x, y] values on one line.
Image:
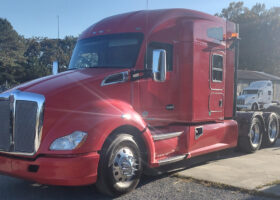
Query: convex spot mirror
[[159, 65]]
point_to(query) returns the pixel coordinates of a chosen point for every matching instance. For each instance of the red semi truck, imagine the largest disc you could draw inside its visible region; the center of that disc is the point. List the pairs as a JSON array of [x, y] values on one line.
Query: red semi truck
[[144, 89]]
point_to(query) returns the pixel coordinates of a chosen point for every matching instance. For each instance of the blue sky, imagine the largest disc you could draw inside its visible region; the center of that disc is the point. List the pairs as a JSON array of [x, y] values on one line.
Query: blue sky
[[39, 17]]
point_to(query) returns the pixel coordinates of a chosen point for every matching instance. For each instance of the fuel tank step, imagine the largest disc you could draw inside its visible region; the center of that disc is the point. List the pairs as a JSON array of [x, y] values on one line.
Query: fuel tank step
[[165, 136], [172, 159]]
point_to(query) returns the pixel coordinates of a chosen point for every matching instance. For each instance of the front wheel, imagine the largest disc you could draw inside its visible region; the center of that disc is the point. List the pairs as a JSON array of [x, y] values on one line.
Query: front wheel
[[120, 165]]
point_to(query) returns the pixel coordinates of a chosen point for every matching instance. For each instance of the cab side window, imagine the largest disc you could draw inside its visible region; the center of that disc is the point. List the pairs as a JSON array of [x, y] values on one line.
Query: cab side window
[[217, 68], [169, 54]]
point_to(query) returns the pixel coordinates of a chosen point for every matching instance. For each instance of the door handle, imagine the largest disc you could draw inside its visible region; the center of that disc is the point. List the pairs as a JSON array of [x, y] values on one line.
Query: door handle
[[221, 103], [169, 107]]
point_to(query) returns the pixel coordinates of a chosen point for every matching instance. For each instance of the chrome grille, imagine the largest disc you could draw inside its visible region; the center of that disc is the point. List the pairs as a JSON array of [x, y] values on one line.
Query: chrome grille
[[21, 120], [241, 101]]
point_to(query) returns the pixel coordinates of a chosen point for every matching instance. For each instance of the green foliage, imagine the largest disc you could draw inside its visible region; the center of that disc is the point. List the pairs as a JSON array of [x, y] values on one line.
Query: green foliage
[[23, 59], [12, 47], [259, 33]]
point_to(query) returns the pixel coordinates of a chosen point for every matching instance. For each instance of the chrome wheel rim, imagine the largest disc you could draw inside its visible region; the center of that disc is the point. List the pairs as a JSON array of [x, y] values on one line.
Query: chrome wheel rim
[[125, 166], [272, 130], [255, 135]]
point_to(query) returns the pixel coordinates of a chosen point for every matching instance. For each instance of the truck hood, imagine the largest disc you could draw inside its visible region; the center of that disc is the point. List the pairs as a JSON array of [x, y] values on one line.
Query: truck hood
[[77, 91], [53, 84], [248, 97]]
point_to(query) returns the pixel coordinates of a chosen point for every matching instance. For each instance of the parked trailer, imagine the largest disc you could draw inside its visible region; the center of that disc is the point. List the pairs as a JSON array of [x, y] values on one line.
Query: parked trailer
[[143, 90]]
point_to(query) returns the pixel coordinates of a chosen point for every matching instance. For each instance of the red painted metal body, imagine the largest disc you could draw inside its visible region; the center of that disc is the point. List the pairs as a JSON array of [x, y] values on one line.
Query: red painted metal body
[[75, 100]]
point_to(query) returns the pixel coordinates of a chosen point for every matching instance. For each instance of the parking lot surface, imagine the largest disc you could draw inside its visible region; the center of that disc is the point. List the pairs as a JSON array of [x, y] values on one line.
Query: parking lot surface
[[259, 171], [159, 187]]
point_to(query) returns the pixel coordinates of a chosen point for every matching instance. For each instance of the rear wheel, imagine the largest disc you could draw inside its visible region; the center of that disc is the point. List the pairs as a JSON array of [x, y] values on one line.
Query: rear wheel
[[252, 142], [272, 133], [120, 165]]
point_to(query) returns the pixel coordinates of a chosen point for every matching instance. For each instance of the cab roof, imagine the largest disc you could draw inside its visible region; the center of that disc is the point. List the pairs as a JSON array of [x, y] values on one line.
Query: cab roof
[[145, 21]]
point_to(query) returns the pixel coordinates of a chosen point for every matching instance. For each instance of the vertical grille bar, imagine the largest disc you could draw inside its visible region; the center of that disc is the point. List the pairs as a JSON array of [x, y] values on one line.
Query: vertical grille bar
[[5, 119], [25, 129]]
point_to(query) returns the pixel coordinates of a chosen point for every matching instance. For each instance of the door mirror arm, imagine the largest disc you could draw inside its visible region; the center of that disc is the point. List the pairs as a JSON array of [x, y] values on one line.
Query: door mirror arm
[[140, 74], [158, 71]]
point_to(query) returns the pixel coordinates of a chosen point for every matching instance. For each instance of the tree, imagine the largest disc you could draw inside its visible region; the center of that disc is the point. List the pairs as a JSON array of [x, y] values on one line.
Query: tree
[[33, 67], [12, 47], [23, 59], [66, 47], [259, 33]]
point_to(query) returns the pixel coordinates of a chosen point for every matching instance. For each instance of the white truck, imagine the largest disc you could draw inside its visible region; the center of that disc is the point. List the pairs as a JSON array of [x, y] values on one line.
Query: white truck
[[258, 95]]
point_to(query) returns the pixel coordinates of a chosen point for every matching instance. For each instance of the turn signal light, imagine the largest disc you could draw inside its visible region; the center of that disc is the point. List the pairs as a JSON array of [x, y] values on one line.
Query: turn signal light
[[231, 36], [234, 35]]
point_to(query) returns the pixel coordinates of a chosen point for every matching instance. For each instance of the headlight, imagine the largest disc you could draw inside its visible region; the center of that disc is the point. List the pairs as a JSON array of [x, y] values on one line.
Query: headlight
[[69, 142]]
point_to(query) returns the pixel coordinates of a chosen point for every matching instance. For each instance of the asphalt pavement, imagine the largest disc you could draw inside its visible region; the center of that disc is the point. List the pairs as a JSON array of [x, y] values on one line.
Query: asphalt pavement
[[152, 187]]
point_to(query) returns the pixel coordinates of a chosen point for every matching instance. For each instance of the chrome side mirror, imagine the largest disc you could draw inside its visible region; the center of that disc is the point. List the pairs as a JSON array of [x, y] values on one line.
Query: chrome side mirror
[[159, 65]]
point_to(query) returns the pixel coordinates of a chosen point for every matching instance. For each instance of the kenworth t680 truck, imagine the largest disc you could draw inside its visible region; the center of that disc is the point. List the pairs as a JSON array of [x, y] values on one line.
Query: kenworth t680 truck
[[144, 89]]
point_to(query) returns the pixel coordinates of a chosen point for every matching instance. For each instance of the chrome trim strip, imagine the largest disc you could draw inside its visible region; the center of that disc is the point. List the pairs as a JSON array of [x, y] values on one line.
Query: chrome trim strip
[[165, 136], [172, 159], [124, 78], [14, 96]]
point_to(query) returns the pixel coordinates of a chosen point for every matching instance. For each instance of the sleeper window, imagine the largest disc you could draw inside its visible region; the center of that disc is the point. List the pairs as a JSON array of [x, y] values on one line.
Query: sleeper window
[[217, 68]]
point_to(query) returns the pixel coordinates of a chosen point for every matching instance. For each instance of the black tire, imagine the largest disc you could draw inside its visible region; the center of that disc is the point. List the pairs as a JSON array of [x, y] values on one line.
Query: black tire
[[255, 106], [272, 130], [117, 152], [252, 142]]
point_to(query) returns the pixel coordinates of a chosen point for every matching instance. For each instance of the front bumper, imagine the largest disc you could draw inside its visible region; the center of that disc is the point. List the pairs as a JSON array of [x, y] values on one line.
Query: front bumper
[[244, 107], [67, 171]]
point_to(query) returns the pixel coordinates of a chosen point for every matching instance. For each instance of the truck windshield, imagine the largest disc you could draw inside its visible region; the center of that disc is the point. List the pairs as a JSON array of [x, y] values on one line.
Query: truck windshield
[[107, 51], [250, 91]]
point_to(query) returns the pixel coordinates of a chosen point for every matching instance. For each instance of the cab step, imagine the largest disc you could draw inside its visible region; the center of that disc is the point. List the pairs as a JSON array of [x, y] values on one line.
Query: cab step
[[172, 159], [165, 136]]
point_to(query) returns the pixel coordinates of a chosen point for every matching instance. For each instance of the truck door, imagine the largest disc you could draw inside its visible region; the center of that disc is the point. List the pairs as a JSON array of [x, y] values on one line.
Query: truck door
[[217, 84], [157, 100]]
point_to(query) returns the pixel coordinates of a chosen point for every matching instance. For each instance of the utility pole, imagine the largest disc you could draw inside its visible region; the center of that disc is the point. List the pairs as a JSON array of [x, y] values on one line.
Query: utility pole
[[55, 67], [58, 27]]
